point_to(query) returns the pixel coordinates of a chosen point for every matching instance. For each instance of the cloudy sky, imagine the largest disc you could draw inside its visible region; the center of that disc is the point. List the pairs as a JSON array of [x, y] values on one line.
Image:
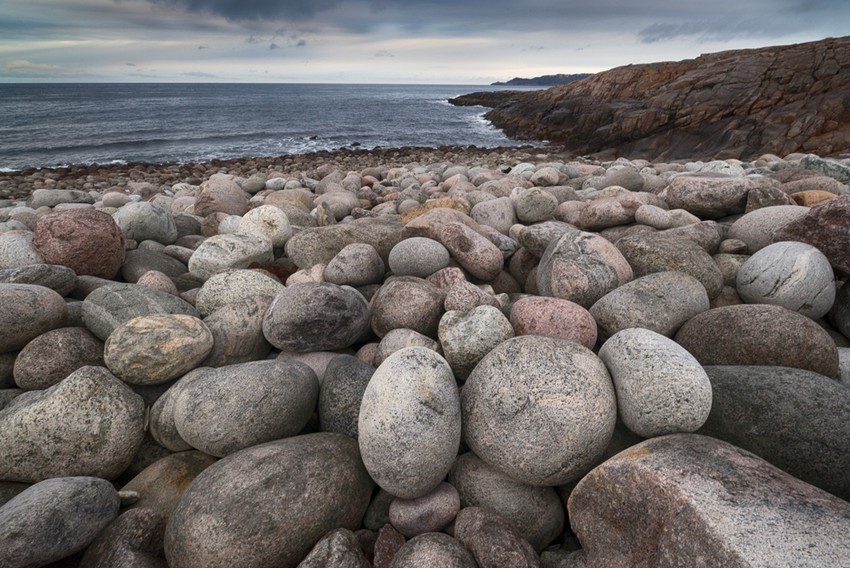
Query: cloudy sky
[[383, 41]]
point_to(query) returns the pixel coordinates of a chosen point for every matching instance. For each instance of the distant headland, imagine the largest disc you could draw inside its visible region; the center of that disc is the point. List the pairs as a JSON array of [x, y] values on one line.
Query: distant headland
[[543, 80]]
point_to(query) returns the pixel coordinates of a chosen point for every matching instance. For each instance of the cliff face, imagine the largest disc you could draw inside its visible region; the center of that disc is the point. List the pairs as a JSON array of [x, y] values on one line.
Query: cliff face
[[732, 104]]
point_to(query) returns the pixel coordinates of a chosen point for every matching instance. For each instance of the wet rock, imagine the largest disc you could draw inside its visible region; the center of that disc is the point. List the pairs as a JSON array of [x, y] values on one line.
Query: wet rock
[[85, 240], [537, 438], [316, 316], [268, 505], [409, 424]]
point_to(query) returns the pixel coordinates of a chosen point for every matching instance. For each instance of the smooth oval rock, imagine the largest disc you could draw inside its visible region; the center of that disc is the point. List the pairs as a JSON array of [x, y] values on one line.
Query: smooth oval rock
[[475, 253], [409, 425], [356, 264], [540, 409], [316, 316], [89, 424], [535, 511], [759, 334], [110, 306], [233, 286], [53, 519], [661, 302], [28, 311], [433, 549], [269, 221], [429, 513], [237, 331], [209, 412], [59, 278], [406, 302], [221, 194], [466, 337], [763, 226], [418, 256], [85, 240], [553, 317], [661, 388], [790, 417], [790, 274], [581, 267], [493, 541], [17, 249], [134, 539], [54, 355], [268, 505], [144, 221], [149, 350], [223, 252]]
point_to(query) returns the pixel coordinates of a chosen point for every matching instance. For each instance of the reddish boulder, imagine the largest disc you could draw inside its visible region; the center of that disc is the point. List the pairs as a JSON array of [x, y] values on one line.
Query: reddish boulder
[[85, 240], [825, 227]]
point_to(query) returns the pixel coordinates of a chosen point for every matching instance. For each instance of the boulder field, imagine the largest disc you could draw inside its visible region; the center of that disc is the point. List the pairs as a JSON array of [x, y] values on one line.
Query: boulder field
[[433, 358]]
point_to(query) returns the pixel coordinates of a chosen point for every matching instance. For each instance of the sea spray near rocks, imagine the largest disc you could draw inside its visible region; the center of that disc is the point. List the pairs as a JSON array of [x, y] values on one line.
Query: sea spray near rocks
[[390, 333]]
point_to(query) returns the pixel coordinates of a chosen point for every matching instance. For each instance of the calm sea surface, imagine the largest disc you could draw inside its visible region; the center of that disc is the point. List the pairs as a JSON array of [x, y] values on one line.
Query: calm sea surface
[[60, 124]]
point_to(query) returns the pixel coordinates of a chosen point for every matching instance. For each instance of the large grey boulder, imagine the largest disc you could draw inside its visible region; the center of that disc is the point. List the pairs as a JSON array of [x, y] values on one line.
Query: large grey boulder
[[671, 500], [89, 424], [268, 505], [540, 409], [795, 419], [409, 426], [316, 316], [53, 519]]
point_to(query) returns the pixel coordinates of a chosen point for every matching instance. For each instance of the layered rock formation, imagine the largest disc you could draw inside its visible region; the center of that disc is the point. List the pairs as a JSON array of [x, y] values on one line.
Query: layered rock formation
[[731, 104]]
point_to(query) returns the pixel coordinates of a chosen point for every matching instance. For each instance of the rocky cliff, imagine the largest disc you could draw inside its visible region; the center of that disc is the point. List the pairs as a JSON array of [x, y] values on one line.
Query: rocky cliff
[[731, 104]]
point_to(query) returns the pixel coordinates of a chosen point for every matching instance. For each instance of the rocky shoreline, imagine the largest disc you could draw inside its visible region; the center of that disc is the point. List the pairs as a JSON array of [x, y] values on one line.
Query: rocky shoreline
[[414, 357]]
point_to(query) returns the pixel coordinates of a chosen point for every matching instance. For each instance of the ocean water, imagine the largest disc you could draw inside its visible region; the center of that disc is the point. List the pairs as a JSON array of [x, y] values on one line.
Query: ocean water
[[60, 124]]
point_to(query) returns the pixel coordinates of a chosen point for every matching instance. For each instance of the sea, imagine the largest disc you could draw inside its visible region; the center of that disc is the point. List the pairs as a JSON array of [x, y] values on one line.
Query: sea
[[54, 125]]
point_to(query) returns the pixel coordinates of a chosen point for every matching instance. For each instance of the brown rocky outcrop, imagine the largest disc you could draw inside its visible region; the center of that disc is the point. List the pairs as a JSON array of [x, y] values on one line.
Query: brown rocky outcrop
[[731, 104]]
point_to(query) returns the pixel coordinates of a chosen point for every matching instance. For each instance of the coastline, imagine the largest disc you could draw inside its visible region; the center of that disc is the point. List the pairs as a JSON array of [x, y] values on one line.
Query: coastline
[[19, 184]]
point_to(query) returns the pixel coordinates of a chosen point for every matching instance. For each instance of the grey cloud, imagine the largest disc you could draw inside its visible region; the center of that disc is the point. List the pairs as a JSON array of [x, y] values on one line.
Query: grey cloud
[[712, 30], [273, 46], [301, 43], [248, 10], [384, 53]]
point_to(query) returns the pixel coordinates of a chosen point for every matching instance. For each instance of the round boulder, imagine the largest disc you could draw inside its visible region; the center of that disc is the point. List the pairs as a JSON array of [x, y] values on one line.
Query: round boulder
[[553, 317], [759, 334], [268, 505], [234, 286], [418, 256], [341, 394], [356, 264], [28, 311], [89, 424], [150, 350], [53, 519], [409, 425], [661, 388], [269, 221], [222, 252], [54, 355], [210, 411], [581, 267], [540, 409], [790, 274], [407, 302], [433, 549], [85, 240], [145, 221], [316, 316], [661, 301], [429, 513], [466, 337]]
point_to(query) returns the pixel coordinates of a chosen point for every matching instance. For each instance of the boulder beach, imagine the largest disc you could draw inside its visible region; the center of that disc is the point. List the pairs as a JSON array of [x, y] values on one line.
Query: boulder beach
[[416, 357]]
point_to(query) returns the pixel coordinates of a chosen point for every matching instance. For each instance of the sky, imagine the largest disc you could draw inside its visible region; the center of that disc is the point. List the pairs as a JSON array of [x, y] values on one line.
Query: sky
[[383, 41]]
